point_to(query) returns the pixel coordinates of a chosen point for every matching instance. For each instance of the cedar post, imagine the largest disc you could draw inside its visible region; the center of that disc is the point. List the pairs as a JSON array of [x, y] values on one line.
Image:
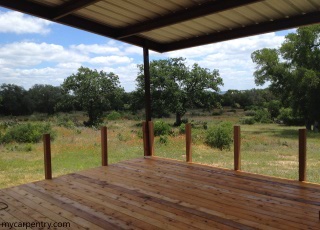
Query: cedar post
[[47, 156], [145, 137], [104, 146], [237, 145], [147, 95], [302, 154], [151, 138], [188, 143]]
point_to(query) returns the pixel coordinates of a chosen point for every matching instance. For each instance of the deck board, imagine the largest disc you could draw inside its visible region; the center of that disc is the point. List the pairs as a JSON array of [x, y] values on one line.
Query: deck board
[[156, 193]]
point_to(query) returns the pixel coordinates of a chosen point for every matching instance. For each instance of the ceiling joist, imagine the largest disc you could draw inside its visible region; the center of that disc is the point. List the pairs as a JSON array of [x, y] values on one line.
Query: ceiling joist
[[70, 7], [135, 35], [241, 32], [184, 15], [45, 12]]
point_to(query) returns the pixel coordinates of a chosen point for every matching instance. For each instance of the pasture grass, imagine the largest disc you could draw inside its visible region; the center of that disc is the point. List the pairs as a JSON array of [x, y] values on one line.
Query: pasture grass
[[268, 149]]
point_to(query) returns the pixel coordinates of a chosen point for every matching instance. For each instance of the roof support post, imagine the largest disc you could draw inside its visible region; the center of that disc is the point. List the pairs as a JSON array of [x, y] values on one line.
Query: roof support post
[[147, 95]]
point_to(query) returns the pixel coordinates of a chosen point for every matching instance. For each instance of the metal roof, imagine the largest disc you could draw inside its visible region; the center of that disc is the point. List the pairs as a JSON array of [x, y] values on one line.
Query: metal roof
[[166, 25]]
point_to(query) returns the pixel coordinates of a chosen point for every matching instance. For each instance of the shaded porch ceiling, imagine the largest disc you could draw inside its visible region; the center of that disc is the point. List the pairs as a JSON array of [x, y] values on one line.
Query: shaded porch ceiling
[[166, 25]]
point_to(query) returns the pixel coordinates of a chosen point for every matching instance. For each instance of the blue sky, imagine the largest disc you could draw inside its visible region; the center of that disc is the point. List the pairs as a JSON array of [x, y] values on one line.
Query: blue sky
[[35, 51]]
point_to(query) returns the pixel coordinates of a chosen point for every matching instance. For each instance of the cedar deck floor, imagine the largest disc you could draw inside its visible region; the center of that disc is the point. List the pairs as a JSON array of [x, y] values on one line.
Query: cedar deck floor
[[158, 193]]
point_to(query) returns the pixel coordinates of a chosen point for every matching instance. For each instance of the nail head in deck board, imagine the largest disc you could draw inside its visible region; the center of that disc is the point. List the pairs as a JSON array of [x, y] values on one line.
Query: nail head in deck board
[[188, 143], [104, 146], [302, 154], [237, 146], [47, 156]]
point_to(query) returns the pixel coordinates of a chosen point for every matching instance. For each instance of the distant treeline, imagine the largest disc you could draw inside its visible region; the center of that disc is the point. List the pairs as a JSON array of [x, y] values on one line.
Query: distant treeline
[[15, 100]]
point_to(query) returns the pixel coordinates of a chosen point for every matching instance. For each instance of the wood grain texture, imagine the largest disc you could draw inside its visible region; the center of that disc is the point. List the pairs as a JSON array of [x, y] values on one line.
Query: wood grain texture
[[47, 156], [157, 193]]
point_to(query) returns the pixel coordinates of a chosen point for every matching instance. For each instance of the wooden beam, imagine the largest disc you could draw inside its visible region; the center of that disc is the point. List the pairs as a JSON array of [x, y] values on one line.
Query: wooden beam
[[47, 12], [104, 146], [237, 147], [71, 6], [270, 26], [145, 135], [147, 90], [302, 154], [188, 143], [47, 157], [184, 15], [151, 138]]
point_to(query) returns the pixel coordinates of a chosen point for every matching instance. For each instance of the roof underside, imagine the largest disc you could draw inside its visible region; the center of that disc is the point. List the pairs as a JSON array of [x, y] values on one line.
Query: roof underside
[[168, 25]]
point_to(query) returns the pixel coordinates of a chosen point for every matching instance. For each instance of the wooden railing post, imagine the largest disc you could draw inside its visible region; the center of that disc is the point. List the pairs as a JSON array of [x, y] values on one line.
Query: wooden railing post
[[188, 143], [151, 138], [104, 146], [237, 146], [145, 135], [302, 154], [47, 156]]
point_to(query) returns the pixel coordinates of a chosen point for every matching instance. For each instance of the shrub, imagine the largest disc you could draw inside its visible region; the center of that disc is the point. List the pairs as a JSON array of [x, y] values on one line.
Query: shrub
[[262, 116], [161, 128], [247, 121], [220, 136], [164, 139], [114, 115], [27, 133], [65, 121], [250, 113], [287, 117], [182, 129]]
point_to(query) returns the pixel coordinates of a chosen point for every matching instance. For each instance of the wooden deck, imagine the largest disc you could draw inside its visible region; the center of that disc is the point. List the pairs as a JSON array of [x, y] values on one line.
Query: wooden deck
[[157, 193]]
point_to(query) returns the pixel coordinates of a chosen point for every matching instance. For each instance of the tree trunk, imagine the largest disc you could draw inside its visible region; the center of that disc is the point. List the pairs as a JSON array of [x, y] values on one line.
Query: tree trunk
[[316, 126], [178, 119], [308, 125]]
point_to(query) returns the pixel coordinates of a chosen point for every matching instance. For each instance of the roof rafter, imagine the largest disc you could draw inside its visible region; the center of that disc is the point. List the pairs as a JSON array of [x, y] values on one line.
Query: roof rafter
[[70, 7], [281, 24], [45, 12], [184, 15]]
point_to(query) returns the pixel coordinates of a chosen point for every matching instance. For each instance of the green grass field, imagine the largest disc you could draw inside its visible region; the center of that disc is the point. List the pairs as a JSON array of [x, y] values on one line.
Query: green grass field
[[268, 149]]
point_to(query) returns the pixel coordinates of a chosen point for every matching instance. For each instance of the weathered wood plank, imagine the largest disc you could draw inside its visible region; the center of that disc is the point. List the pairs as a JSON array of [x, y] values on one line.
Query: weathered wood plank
[[155, 193], [194, 197]]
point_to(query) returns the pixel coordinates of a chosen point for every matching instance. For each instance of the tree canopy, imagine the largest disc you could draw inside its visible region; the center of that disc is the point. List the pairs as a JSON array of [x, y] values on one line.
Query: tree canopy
[[94, 91], [294, 72], [176, 86]]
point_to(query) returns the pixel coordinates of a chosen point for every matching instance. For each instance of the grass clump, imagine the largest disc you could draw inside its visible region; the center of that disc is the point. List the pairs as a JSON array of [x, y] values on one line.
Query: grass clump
[[27, 133], [161, 128], [220, 136]]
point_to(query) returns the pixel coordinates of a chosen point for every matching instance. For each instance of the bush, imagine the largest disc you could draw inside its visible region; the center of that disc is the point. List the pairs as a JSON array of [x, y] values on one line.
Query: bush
[[287, 117], [27, 133], [114, 115], [220, 136], [182, 129], [262, 116], [163, 139], [161, 128], [250, 113], [247, 121], [65, 121]]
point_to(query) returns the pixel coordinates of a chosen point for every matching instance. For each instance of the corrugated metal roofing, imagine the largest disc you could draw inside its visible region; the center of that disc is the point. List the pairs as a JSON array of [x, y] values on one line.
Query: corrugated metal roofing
[[121, 18]]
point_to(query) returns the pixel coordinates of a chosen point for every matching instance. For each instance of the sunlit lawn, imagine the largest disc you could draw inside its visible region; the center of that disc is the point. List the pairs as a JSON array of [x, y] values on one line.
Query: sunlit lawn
[[268, 149]]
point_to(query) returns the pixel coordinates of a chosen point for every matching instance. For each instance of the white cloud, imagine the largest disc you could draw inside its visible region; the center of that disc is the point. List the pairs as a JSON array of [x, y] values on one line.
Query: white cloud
[[96, 49], [110, 60], [28, 54], [18, 23], [231, 58], [29, 63]]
